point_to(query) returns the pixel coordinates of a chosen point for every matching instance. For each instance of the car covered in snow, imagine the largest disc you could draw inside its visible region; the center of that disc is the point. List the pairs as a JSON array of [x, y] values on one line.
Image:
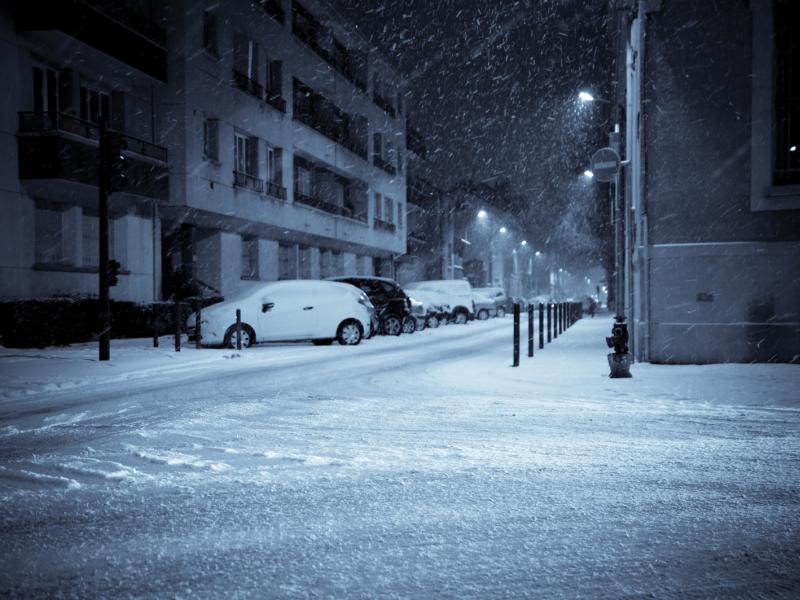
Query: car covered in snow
[[455, 292], [392, 306], [503, 303], [484, 306], [435, 309], [320, 311]]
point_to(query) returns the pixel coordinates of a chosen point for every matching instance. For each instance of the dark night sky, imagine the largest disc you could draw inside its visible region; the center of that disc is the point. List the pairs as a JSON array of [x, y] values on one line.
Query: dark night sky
[[493, 89]]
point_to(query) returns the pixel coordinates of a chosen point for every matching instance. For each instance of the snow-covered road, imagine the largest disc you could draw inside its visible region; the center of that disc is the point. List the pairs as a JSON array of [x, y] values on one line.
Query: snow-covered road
[[420, 466]]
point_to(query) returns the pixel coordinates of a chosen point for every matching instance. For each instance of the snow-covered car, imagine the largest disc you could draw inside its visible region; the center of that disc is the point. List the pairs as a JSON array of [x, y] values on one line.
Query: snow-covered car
[[484, 306], [456, 292], [503, 303], [320, 311], [435, 310], [392, 307], [416, 319]]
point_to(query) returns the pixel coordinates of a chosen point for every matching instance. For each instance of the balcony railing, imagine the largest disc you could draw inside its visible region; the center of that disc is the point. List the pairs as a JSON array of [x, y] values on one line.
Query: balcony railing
[[385, 104], [276, 101], [52, 122], [385, 165], [276, 190], [251, 182], [332, 131], [334, 209], [385, 225], [244, 83]]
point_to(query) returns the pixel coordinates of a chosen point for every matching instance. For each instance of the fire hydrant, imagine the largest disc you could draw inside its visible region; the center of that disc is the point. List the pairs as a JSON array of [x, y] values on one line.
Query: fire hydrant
[[620, 360]]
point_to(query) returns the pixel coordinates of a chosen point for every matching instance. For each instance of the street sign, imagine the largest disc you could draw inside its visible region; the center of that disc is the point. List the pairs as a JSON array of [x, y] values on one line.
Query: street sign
[[605, 164]]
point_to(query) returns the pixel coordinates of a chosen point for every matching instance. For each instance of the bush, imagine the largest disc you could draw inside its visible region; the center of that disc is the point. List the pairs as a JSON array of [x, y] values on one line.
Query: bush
[[38, 323]]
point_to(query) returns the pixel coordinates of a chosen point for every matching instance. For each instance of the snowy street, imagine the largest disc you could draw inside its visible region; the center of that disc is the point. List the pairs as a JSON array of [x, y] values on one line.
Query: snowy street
[[418, 466]]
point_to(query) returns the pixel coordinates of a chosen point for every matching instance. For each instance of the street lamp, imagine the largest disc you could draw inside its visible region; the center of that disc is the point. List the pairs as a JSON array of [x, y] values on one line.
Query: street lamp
[[482, 214], [588, 173], [523, 243], [503, 230], [585, 96]]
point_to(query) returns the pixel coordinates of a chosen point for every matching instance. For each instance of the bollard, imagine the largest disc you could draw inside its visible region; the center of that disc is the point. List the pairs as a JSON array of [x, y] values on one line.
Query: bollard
[[198, 334], [156, 324], [560, 318], [530, 330], [555, 320], [549, 323], [516, 334], [177, 327], [541, 325], [238, 329]]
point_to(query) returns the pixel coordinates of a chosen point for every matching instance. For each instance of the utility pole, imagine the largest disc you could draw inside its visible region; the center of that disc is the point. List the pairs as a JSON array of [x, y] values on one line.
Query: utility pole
[[103, 185]]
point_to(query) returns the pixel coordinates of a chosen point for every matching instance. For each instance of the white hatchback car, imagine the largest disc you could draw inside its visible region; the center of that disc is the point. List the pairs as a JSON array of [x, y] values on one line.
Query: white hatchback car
[[320, 311]]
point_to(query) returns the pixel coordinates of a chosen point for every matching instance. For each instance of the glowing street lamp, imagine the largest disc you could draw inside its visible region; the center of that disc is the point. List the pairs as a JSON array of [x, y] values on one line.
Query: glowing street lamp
[[588, 174], [503, 230], [523, 243], [585, 96], [482, 214]]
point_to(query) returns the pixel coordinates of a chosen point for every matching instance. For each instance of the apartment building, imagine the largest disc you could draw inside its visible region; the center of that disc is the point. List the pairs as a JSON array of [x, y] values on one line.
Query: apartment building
[[286, 134], [66, 66]]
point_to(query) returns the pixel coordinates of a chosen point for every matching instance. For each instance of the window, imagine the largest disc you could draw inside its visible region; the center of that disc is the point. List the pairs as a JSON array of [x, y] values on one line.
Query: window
[[246, 154], [45, 89], [249, 258], [400, 211], [274, 78], [388, 209], [95, 105], [304, 262], [210, 33], [287, 263], [211, 139], [50, 236], [304, 179], [245, 56], [378, 206], [274, 165], [337, 263], [786, 21], [377, 144]]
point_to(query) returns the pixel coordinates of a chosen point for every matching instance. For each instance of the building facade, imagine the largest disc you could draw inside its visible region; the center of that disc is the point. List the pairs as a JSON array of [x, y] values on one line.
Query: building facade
[[288, 139], [265, 140], [709, 121], [66, 67]]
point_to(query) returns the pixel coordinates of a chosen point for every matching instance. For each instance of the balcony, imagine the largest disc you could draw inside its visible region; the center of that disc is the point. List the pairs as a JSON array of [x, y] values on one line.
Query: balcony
[[275, 101], [384, 104], [384, 225], [250, 182], [276, 190], [112, 27], [383, 164], [334, 209], [54, 146], [333, 131], [244, 83]]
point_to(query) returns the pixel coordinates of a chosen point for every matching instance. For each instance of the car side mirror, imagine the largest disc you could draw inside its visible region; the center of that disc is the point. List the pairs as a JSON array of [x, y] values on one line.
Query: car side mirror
[[267, 306]]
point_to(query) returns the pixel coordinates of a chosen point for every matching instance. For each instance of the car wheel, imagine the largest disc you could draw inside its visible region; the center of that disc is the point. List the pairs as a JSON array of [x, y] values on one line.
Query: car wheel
[[392, 325], [433, 322], [322, 342], [349, 333], [501, 312], [483, 314], [248, 336], [461, 317], [409, 325]]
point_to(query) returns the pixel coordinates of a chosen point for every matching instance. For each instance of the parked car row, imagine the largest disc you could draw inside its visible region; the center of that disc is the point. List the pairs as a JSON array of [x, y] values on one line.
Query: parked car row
[[345, 309]]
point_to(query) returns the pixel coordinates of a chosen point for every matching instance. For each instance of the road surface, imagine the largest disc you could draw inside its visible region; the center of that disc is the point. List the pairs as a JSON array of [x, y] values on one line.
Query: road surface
[[422, 466]]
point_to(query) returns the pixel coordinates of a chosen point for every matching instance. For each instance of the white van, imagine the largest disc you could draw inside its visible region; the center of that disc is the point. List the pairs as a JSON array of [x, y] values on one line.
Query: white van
[[455, 292]]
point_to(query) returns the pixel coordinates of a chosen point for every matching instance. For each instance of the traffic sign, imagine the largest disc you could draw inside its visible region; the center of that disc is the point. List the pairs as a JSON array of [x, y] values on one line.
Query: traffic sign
[[605, 164]]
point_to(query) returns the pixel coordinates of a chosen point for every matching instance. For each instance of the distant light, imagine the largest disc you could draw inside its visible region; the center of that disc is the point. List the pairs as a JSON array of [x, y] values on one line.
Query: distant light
[[793, 149], [588, 173], [467, 242], [538, 253], [503, 230], [585, 97], [523, 243], [482, 214], [561, 270]]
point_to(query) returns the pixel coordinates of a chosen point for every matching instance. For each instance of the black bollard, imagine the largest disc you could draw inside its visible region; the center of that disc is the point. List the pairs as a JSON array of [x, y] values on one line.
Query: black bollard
[[177, 327], [549, 322], [238, 329], [541, 325], [198, 333], [555, 320], [156, 324], [530, 330], [516, 334]]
